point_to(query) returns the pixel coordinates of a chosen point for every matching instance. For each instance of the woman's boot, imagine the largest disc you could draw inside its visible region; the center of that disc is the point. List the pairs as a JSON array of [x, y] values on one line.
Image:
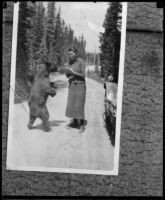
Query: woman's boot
[[81, 125], [73, 123]]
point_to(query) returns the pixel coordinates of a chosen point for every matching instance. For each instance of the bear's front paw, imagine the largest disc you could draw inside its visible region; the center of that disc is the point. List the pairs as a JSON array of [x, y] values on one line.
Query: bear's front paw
[[52, 95], [52, 84]]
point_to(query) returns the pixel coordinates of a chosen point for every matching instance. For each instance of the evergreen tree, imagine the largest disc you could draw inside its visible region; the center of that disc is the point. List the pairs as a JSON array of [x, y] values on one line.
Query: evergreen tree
[[66, 44], [110, 41], [80, 43], [97, 70], [43, 46], [58, 38], [92, 58], [71, 34], [97, 59], [50, 32], [42, 36], [36, 39], [82, 47], [26, 12]]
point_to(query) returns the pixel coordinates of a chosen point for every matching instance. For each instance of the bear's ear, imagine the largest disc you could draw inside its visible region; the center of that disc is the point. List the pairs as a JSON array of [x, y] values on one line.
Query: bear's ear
[[48, 64]]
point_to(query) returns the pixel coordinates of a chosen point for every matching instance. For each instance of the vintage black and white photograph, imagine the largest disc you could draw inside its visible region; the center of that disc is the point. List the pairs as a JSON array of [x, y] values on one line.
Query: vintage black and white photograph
[[66, 87]]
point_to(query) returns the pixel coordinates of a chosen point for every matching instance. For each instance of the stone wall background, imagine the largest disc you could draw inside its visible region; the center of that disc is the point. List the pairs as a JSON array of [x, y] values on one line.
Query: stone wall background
[[141, 143]]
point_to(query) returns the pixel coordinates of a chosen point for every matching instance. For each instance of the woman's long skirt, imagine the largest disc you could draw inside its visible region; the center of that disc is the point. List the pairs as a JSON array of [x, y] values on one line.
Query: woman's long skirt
[[76, 101]]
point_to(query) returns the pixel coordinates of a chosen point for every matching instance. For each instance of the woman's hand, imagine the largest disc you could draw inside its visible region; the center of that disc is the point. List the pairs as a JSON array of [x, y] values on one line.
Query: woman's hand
[[63, 68], [69, 71]]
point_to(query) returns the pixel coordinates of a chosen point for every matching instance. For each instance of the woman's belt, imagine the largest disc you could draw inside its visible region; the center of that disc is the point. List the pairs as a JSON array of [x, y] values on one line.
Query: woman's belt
[[76, 80]]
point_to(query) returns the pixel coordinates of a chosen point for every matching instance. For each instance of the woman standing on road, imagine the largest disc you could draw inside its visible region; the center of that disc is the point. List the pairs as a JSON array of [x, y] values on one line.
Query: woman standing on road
[[75, 72]]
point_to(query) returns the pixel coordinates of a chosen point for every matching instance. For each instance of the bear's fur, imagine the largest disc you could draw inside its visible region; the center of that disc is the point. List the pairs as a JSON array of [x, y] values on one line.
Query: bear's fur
[[40, 90]]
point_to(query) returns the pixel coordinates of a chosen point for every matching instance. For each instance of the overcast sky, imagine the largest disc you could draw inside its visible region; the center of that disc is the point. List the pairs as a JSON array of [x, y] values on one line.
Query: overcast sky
[[75, 14]]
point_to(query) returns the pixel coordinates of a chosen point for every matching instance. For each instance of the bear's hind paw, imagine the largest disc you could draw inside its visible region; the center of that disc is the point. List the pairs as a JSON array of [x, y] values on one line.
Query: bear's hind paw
[[47, 129]]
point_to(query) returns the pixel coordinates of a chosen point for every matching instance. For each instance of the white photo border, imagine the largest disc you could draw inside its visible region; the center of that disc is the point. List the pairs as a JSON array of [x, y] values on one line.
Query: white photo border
[[119, 103]]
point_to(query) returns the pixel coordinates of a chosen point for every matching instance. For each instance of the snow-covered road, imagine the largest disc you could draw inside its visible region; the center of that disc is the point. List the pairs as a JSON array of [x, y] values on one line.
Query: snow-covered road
[[62, 147]]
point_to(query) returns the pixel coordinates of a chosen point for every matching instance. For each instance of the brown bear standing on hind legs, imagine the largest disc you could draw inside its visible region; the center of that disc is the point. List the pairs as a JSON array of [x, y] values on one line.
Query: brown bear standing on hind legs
[[40, 90]]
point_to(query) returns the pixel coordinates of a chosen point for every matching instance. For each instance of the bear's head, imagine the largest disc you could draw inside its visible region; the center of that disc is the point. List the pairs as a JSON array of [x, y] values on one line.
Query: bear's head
[[50, 67]]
